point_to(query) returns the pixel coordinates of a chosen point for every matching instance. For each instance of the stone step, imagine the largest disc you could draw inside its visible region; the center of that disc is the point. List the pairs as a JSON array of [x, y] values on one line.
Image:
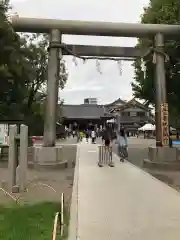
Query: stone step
[[161, 165], [48, 165]]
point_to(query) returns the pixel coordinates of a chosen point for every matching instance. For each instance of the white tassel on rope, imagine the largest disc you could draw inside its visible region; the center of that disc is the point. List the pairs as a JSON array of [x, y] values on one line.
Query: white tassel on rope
[[98, 66], [75, 61], [119, 63], [143, 67]]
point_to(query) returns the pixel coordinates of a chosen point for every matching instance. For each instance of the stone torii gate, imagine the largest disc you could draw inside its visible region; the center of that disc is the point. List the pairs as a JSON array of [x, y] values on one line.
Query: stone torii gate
[[58, 27]]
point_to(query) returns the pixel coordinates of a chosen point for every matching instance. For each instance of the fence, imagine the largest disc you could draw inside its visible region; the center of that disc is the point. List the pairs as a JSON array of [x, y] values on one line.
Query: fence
[[58, 229], [105, 155]]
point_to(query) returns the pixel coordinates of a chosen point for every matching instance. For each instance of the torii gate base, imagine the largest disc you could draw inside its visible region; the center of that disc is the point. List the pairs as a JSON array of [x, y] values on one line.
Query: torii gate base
[[160, 153], [162, 158]]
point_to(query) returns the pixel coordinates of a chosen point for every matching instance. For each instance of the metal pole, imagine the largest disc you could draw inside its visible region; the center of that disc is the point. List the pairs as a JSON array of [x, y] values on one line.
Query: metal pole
[[160, 86], [52, 90]]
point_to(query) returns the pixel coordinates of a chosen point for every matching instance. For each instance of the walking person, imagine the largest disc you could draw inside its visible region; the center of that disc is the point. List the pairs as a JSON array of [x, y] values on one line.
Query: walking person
[[73, 133], [87, 136], [81, 135], [93, 137], [78, 137], [122, 145], [107, 150]]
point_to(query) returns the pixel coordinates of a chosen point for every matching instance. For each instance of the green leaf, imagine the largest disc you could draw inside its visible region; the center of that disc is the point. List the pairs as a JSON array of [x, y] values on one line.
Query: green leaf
[[160, 12]]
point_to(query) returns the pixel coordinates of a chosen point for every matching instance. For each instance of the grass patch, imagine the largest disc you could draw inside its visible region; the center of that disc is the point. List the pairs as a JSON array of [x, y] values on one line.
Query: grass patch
[[28, 222]]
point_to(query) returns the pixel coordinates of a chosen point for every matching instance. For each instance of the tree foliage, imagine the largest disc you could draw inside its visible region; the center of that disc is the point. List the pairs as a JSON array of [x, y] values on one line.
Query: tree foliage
[[160, 12], [23, 72], [11, 70]]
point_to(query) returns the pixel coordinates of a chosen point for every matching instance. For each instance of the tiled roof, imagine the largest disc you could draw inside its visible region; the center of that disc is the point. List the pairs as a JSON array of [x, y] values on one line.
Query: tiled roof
[[130, 103], [86, 111], [118, 101]]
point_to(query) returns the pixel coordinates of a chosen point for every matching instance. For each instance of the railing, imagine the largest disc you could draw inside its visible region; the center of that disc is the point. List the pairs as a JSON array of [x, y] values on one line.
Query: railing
[[58, 228]]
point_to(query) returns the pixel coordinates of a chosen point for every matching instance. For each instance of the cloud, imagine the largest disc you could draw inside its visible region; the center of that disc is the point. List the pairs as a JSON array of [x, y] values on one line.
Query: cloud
[[84, 80], [15, 1], [83, 88]]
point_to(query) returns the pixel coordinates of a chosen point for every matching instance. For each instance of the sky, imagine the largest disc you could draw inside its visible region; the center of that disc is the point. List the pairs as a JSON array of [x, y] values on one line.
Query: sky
[[84, 80]]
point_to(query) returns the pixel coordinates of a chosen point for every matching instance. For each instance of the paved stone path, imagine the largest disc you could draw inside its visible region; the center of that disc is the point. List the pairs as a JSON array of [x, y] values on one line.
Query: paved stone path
[[137, 149], [121, 202]]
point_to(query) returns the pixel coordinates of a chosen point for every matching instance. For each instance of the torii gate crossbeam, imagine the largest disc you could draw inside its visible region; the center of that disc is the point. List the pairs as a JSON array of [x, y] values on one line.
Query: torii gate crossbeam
[[93, 28]]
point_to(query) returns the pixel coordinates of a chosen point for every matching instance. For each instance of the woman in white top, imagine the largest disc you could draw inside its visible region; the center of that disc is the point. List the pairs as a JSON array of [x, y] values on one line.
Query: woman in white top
[[93, 136]]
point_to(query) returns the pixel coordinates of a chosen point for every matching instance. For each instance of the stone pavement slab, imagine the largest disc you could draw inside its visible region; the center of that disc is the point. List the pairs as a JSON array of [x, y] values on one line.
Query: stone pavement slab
[[121, 202]]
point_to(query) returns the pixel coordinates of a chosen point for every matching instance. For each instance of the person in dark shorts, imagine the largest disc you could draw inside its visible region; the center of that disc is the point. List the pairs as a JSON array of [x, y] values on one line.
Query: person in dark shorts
[[107, 142], [87, 136], [106, 138]]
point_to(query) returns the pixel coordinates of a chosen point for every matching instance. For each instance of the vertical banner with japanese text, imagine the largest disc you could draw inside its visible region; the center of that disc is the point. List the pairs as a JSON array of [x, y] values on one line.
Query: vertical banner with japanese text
[[165, 124]]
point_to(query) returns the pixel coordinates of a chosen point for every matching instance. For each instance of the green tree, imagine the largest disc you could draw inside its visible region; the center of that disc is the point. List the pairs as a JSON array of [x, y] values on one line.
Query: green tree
[[11, 68], [36, 46], [160, 12], [23, 72]]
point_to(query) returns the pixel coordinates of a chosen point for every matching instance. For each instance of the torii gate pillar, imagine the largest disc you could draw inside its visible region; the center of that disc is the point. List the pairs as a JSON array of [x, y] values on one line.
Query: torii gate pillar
[[161, 108], [52, 89]]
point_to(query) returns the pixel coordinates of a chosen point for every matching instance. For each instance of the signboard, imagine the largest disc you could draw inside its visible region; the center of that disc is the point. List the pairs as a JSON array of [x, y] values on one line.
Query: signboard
[[165, 124], [3, 134]]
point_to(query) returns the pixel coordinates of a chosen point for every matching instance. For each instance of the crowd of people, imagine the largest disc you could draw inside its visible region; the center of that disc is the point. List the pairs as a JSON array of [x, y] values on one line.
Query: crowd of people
[[107, 135], [88, 134]]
